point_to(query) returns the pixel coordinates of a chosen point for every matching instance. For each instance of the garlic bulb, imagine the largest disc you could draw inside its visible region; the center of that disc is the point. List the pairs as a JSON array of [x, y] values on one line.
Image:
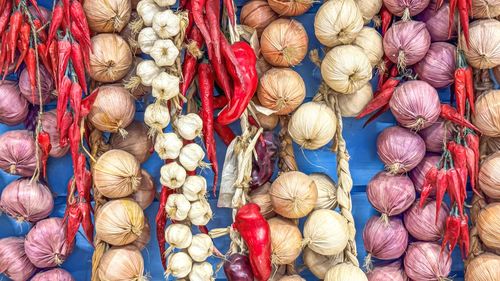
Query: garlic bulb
[[166, 24], [369, 8], [165, 86], [164, 52], [147, 70], [327, 191], [178, 265], [191, 156], [178, 236], [172, 175], [345, 271], [370, 41], [146, 38], [177, 207], [168, 146], [201, 247], [201, 272], [352, 105], [189, 126], [194, 188], [200, 212], [165, 3], [147, 9], [156, 116]]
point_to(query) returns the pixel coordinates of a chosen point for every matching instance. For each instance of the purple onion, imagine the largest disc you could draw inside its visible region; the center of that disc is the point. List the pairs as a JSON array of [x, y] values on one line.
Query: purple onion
[[417, 175], [390, 272], [438, 66], [25, 200], [13, 261], [13, 107], [436, 135], [424, 262], [49, 125], [400, 149], [406, 8], [437, 21], [237, 268], [385, 240], [415, 105], [45, 244], [18, 153], [406, 42], [390, 194], [421, 223], [56, 274], [46, 82]]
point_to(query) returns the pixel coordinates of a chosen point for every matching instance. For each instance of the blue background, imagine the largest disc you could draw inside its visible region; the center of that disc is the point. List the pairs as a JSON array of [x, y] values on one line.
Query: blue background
[[364, 164]]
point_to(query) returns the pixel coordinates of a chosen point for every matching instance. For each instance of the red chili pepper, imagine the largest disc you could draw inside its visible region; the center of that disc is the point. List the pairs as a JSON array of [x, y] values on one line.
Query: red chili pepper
[[88, 102], [449, 113], [34, 3], [79, 18], [75, 98], [243, 92], [454, 188], [232, 63], [212, 10], [64, 48], [161, 221], [460, 90], [376, 115], [384, 73], [16, 20], [85, 46], [472, 141], [31, 67], [222, 78], [67, 12], [190, 61], [42, 34], [229, 4], [441, 186], [197, 11], [54, 61], [62, 99], [451, 234], [439, 3], [464, 239], [66, 122], [55, 23], [429, 184], [86, 220], [459, 155], [451, 19], [5, 16], [74, 141], [45, 147], [220, 101], [77, 60], [386, 18], [464, 19], [381, 99], [225, 133], [24, 39], [255, 231], [43, 55], [73, 216], [469, 86]]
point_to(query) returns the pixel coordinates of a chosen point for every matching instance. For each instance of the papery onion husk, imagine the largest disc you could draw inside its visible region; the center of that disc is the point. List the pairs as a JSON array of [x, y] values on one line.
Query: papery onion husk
[[13, 261], [488, 226], [406, 8], [425, 262], [281, 90], [438, 66], [487, 117], [327, 191], [312, 125], [351, 105], [136, 142], [18, 153], [485, 9], [437, 22], [418, 173], [146, 191], [286, 241], [436, 135], [284, 43], [390, 272], [130, 35], [47, 86], [369, 8], [337, 23], [46, 245], [110, 59], [483, 268], [114, 118], [267, 122], [318, 231], [293, 194], [107, 16], [290, 8], [496, 73], [261, 197], [390, 194], [484, 49], [370, 41], [49, 125], [489, 180], [384, 240], [257, 14], [56, 274], [122, 263], [294, 277], [142, 241], [421, 223], [319, 264], [415, 105], [489, 145], [400, 149], [406, 42], [25, 200], [346, 69], [345, 271], [13, 107], [119, 222], [140, 91]]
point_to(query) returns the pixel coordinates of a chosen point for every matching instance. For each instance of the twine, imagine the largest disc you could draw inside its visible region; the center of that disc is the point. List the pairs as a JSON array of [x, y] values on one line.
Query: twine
[[286, 162]]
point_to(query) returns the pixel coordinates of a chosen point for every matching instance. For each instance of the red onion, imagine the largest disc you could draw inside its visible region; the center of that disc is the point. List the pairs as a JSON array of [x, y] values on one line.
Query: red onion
[[438, 66], [56, 274], [26, 200], [46, 82], [406, 42], [435, 135], [13, 261], [390, 194], [17, 153], [400, 149], [49, 125], [421, 222], [423, 262], [417, 175], [385, 240], [145, 193], [390, 272], [415, 105], [45, 244], [437, 22], [406, 8], [13, 107]]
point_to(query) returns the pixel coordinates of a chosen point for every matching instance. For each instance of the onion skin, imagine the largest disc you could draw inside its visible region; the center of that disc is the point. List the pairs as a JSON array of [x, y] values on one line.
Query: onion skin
[[417, 175], [421, 222], [436, 135], [484, 50], [111, 58], [483, 268], [13, 261], [56, 274], [49, 125], [400, 7], [258, 15], [406, 42], [424, 262], [390, 194], [390, 272], [281, 90], [385, 240], [438, 66], [146, 192], [284, 43], [488, 226], [237, 268], [142, 241], [437, 22], [136, 142], [489, 179], [488, 113], [13, 107], [290, 8], [46, 82], [17, 153]]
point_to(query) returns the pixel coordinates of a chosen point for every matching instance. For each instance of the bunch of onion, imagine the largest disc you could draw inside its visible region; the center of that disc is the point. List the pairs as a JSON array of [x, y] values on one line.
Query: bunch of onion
[[422, 223], [438, 66], [136, 142], [110, 59], [49, 122], [318, 230], [435, 135], [488, 179], [114, 118], [488, 226], [437, 22], [145, 236], [47, 86], [282, 90], [122, 263], [284, 43], [56, 274], [483, 268], [327, 191], [415, 105], [13, 261], [425, 261], [319, 264], [484, 49], [286, 241], [18, 153], [261, 197], [392, 272], [345, 271], [293, 195], [485, 9], [27, 200], [13, 107], [406, 9], [400, 149], [46, 244], [351, 105], [257, 14], [338, 22], [488, 113], [290, 8], [119, 222], [146, 191], [390, 194], [417, 174], [369, 8], [109, 16], [140, 90], [312, 125]]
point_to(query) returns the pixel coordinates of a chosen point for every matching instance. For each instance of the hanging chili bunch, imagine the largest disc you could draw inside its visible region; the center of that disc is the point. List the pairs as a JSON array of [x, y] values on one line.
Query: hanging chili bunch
[[464, 10]]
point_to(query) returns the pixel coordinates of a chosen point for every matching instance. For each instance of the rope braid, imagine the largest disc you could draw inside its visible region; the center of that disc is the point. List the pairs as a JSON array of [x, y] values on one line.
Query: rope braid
[[286, 162]]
